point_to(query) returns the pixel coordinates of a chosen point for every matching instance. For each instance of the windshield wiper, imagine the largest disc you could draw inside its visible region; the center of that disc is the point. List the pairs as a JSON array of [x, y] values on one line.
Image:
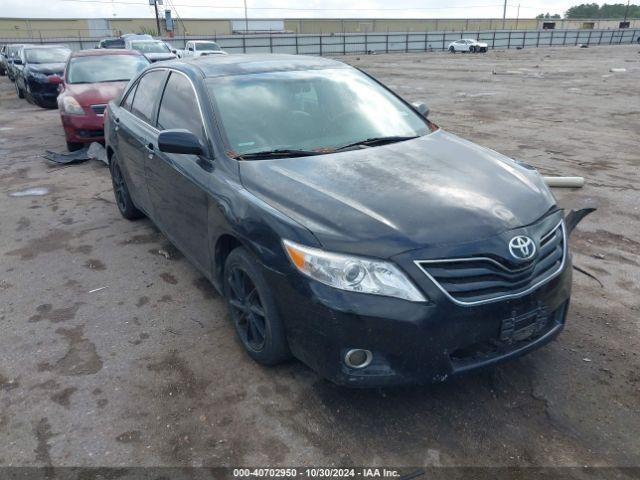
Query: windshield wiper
[[278, 153], [371, 142]]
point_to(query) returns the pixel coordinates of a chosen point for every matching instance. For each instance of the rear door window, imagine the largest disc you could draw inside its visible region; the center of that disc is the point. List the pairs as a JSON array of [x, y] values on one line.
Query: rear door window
[[147, 91]]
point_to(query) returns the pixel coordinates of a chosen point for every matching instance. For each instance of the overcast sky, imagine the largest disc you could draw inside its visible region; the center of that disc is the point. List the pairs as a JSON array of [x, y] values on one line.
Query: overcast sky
[[280, 8]]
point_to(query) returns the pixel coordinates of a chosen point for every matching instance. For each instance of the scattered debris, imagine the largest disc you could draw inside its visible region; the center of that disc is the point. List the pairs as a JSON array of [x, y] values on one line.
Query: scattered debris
[[566, 182], [94, 151], [617, 70], [583, 45], [97, 289], [586, 360], [590, 275], [30, 192]]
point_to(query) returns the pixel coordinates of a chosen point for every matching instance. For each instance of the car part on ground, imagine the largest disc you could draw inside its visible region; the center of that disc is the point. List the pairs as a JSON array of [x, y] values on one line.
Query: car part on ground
[[393, 252], [94, 151]]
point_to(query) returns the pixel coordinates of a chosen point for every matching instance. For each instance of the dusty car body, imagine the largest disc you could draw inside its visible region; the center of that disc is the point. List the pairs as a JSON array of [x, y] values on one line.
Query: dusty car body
[[37, 72], [154, 50], [406, 257]]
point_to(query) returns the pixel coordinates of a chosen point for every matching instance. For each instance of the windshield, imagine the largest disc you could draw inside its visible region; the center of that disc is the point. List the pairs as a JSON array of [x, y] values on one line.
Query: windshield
[[150, 47], [207, 46], [308, 110], [105, 68], [47, 55]]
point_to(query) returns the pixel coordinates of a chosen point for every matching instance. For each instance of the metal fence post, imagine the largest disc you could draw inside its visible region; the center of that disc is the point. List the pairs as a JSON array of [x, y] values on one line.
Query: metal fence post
[[551, 40], [509, 41], [622, 32], [320, 38], [564, 39], [366, 42], [270, 43], [387, 43], [524, 38], [244, 44], [600, 39], [589, 38], [611, 38], [344, 44], [406, 43], [493, 44], [296, 37], [538, 39], [425, 40], [443, 35]]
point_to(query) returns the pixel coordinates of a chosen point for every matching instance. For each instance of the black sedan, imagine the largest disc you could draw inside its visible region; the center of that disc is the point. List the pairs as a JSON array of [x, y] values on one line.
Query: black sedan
[[38, 69], [342, 226]]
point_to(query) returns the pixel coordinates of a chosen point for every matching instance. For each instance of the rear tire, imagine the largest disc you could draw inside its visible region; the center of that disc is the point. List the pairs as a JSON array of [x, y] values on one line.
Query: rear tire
[[452, 50], [253, 309], [121, 191], [472, 49]]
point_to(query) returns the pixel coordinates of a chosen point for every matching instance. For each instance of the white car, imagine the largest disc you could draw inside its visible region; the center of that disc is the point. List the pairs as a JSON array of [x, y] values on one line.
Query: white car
[[468, 45], [197, 48]]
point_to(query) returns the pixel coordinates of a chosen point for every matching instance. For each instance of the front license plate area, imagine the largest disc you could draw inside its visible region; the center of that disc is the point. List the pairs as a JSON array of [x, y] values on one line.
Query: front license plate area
[[517, 328]]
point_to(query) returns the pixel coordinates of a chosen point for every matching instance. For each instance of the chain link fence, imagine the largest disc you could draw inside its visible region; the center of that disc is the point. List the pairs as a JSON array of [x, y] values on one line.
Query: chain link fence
[[353, 43]]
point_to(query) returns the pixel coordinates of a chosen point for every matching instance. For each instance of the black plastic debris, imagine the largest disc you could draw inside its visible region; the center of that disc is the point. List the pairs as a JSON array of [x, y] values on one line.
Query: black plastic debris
[[94, 151]]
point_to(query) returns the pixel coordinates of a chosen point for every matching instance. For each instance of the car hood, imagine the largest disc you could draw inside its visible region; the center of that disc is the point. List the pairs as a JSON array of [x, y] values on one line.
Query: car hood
[[47, 68], [434, 190], [156, 57], [95, 93]]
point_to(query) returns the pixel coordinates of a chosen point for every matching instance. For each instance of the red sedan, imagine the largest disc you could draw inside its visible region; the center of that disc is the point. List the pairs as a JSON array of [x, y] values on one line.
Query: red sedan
[[91, 79]]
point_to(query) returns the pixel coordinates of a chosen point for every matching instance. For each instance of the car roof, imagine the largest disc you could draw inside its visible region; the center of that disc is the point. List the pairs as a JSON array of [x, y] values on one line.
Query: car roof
[[34, 46], [98, 52], [243, 64]]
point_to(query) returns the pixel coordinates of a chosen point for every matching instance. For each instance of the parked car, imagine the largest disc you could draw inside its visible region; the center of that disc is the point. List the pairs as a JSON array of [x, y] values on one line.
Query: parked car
[[198, 48], [37, 69], [111, 43], [3, 60], [468, 45], [12, 52], [93, 78], [154, 50], [342, 226]]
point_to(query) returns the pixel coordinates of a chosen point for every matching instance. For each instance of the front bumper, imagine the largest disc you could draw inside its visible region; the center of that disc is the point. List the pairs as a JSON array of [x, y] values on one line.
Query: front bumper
[[83, 128], [413, 343], [43, 93]]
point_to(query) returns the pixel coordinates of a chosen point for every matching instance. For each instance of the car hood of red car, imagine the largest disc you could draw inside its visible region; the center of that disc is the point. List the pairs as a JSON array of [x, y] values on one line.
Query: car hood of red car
[[95, 93]]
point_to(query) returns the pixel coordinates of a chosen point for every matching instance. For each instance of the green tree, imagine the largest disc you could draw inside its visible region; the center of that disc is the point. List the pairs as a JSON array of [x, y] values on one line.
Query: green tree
[[593, 10]]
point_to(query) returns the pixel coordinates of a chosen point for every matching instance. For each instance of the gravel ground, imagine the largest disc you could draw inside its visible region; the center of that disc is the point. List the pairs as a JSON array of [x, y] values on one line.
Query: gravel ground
[[147, 371]]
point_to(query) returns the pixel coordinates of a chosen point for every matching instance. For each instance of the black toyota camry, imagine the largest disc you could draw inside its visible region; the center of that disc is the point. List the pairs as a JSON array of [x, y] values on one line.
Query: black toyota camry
[[342, 226]]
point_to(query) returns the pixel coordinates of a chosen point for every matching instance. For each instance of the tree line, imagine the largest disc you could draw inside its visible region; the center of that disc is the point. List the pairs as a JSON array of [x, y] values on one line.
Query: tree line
[[593, 10]]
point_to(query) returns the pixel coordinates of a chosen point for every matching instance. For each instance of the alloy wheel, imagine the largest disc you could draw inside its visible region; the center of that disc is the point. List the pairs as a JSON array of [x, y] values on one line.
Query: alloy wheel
[[248, 311]]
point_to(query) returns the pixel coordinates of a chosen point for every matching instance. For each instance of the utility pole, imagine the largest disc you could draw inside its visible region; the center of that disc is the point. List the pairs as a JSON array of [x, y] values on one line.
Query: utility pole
[[246, 18], [155, 6], [504, 13], [626, 12]]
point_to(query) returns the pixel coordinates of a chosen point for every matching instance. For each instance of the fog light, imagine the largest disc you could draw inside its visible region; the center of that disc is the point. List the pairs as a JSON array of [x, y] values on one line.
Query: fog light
[[358, 358]]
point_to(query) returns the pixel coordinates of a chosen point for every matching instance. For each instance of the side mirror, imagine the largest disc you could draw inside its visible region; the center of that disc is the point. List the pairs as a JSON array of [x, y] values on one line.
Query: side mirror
[[190, 49], [421, 108], [179, 141]]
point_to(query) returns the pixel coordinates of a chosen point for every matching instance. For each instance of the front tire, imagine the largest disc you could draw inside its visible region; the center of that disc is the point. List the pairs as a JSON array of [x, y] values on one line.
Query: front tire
[[472, 49], [452, 49], [121, 191], [19, 91], [253, 309]]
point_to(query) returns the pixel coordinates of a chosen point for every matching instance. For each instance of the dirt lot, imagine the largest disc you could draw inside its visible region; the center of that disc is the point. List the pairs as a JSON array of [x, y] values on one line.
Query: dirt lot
[[148, 372]]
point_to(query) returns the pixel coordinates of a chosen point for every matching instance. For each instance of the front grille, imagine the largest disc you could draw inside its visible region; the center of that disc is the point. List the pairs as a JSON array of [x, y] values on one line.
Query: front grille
[[98, 109], [475, 280]]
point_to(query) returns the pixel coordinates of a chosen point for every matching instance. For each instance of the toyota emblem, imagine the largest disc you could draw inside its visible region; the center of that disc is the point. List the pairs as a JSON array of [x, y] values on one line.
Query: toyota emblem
[[522, 247]]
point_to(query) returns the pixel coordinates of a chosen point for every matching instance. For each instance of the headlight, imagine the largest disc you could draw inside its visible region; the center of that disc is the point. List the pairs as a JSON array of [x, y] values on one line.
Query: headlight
[[355, 274], [40, 77], [71, 106]]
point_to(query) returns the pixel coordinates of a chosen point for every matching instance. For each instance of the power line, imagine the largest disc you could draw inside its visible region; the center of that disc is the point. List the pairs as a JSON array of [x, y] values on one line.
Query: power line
[[310, 9]]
